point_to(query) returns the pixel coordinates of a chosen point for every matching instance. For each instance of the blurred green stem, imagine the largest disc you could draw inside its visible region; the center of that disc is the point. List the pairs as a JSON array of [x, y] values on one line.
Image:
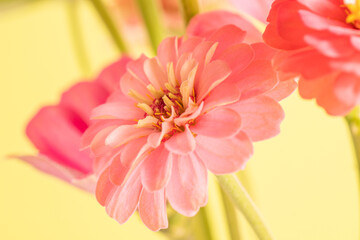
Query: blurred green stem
[[231, 216], [110, 25], [152, 19], [189, 8], [77, 38], [353, 121], [232, 186]]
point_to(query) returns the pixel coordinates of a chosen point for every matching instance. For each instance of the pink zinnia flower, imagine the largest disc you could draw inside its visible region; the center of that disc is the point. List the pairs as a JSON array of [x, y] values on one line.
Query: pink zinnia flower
[[197, 106], [321, 41], [56, 130]]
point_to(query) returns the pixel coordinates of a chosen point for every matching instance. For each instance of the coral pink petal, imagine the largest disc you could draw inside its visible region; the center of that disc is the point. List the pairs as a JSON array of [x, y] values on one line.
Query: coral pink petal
[[189, 45], [155, 138], [223, 156], [152, 209], [155, 73], [129, 82], [110, 76], [222, 37], [122, 202], [187, 190], [181, 143], [218, 123], [126, 133], [203, 25], [282, 90], [214, 73], [117, 110], [156, 169], [168, 51], [223, 94], [94, 128], [257, 78], [136, 69], [104, 187], [98, 146], [82, 98], [56, 132], [261, 117], [238, 56]]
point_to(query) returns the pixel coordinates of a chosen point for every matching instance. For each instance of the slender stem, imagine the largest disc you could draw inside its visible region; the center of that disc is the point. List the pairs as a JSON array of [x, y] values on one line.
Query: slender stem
[[204, 223], [231, 216], [110, 25], [242, 200], [189, 8], [77, 38], [232, 220], [353, 121], [152, 19]]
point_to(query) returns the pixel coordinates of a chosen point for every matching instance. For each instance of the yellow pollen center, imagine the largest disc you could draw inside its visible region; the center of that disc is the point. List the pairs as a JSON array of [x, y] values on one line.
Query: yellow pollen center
[[352, 8]]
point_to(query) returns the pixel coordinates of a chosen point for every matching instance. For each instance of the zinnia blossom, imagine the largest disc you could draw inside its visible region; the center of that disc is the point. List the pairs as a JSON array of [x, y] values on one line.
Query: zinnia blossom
[[197, 106], [321, 42], [56, 130]]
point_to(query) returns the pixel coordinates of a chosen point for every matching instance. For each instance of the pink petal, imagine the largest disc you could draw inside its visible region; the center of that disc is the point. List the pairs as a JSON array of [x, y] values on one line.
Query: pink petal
[[155, 138], [223, 156], [152, 210], [155, 73], [181, 143], [129, 83], [238, 56], [218, 123], [123, 201], [223, 94], [187, 189], [82, 98], [258, 8], [261, 117], [168, 50], [222, 37], [103, 188], [156, 169], [97, 126], [136, 70], [204, 24], [282, 90], [257, 78], [56, 132], [51, 167], [119, 110], [109, 78], [121, 165], [126, 133], [214, 73]]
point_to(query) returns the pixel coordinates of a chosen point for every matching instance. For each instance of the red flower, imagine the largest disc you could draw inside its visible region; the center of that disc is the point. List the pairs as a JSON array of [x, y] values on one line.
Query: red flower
[[321, 42]]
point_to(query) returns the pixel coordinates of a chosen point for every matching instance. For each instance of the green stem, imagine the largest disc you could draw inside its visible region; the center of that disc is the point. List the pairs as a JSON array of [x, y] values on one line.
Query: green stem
[[353, 121], [110, 25], [231, 216], [205, 226], [77, 38], [189, 8], [151, 15], [242, 200]]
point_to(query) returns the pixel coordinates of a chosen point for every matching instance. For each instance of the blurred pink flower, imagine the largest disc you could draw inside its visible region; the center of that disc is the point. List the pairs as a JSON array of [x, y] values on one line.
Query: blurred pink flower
[[56, 130], [258, 9], [197, 106], [321, 42]]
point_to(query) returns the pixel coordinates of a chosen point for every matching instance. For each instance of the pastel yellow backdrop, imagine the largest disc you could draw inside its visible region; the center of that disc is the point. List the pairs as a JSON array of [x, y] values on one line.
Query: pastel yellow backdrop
[[303, 181]]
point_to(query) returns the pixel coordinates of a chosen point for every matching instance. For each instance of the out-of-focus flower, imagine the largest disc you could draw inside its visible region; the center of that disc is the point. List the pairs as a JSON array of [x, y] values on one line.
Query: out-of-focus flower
[[56, 130], [258, 9], [197, 106], [321, 41]]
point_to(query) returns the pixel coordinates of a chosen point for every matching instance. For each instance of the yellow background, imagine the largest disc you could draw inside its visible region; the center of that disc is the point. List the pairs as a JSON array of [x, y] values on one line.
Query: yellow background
[[303, 181]]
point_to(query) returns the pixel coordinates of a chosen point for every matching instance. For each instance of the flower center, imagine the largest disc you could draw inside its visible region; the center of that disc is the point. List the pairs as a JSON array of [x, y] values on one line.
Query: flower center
[[352, 9], [166, 103]]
